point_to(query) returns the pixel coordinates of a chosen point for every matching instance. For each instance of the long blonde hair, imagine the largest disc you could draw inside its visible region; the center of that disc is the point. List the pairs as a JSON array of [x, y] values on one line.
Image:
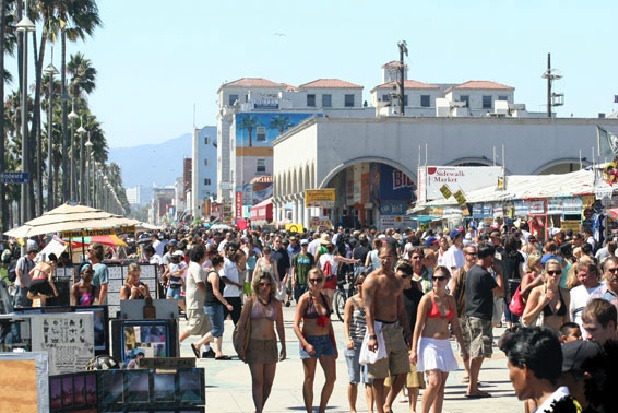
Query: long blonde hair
[[132, 267]]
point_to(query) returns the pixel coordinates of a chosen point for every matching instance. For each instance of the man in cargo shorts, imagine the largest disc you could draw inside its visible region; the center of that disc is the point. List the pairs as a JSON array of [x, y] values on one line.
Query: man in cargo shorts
[[480, 288], [387, 317]]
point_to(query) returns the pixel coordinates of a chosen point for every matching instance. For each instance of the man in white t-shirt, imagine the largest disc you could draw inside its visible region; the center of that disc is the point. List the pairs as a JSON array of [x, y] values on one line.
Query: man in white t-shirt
[[229, 274], [454, 258], [588, 276]]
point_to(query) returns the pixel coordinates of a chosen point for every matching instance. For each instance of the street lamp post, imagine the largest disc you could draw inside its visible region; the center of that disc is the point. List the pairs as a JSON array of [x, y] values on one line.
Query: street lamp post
[[81, 132], [25, 26], [72, 116], [51, 71], [86, 187]]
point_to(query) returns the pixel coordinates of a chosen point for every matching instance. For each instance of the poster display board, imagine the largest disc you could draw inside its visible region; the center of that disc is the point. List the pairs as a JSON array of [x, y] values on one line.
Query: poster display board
[[68, 338], [117, 277]]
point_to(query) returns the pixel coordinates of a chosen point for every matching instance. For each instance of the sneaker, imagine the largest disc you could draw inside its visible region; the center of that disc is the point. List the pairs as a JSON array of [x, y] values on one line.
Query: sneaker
[[210, 354]]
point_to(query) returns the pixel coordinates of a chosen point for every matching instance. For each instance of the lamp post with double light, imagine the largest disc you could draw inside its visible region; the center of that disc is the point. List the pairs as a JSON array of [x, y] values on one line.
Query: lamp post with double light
[[86, 187], [72, 116], [50, 71], [25, 26], [81, 132]]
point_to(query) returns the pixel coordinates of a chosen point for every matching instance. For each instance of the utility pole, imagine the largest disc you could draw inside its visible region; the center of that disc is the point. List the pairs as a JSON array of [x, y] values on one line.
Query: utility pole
[[553, 99], [403, 48]]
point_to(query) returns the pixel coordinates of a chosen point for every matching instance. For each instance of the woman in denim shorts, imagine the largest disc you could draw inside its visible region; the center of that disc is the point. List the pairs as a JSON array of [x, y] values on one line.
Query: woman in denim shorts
[[354, 328], [213, 307], [316, 337]]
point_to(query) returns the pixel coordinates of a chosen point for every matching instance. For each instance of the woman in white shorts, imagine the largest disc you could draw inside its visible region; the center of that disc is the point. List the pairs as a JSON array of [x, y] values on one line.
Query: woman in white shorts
[[431, 350]]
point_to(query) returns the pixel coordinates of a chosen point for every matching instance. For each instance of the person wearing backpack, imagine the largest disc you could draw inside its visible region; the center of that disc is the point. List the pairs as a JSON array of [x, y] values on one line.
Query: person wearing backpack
[[328, 264], [23, 280]]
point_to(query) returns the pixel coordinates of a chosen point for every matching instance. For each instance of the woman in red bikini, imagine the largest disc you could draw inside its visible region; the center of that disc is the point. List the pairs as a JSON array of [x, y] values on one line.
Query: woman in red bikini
[[431, 349], [316, 338]]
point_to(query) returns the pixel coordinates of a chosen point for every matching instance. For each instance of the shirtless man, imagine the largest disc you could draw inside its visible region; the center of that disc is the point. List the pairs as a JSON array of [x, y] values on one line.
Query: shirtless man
[[387, 317]]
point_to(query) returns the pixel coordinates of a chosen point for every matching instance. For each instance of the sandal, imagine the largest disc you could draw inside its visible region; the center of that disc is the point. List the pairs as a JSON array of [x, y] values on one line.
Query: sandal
[[196, 351], [479, 395]]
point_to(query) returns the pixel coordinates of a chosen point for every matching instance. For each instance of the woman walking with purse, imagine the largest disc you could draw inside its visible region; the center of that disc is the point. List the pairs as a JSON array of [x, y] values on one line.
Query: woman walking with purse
[[263, 314]]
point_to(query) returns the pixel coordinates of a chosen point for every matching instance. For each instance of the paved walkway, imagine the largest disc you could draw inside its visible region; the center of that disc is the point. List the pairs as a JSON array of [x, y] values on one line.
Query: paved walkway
[[228, 383]]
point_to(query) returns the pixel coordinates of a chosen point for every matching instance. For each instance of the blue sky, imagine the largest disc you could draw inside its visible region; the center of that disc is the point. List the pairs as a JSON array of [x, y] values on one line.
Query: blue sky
[[157, 60]]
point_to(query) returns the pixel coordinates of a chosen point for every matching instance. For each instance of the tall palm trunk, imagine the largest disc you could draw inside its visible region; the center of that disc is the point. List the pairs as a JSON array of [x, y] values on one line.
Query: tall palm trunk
[[4, 210], [65, 119], [35, 135]]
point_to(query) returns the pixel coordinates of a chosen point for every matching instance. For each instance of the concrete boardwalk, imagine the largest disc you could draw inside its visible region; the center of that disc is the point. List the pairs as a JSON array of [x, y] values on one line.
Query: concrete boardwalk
[[228, 383]]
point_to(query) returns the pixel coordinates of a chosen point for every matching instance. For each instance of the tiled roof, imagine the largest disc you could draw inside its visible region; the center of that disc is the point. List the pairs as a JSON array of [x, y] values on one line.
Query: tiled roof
[[408, 84], [330, 83], [253, 82], [482, 84]]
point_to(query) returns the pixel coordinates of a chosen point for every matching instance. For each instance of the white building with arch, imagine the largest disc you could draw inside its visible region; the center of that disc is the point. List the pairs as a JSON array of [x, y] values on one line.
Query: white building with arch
[[342, 154]]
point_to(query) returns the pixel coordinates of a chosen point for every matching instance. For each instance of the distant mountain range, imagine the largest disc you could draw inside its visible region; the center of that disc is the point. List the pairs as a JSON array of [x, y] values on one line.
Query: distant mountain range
[[152, 164]]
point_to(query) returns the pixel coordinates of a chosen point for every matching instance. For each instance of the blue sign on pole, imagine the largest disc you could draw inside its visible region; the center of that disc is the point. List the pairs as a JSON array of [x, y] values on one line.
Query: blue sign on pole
[[14, 177]]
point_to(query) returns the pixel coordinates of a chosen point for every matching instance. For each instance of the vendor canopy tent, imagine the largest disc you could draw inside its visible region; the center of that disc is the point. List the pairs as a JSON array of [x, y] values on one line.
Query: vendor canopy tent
[[523, 187], [69, 217]]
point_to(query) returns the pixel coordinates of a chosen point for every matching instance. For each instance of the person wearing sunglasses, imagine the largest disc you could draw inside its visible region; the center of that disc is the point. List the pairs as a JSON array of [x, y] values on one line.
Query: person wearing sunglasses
[[548, 304], [609, 289], [431, 348], [314, 330], [264, 313]]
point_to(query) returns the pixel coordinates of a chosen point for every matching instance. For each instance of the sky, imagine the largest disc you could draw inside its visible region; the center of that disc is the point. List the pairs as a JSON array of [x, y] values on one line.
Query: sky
[[160, 63]]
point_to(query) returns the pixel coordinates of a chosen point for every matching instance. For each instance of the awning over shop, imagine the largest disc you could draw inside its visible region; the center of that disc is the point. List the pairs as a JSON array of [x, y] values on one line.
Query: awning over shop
[[262, 211]]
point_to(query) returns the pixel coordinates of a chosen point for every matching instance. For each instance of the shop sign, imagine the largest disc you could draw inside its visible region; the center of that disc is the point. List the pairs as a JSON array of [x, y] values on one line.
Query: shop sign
[[572, 206], [521, 208], [554, 206], [536, 207], [574, 226], [318, 223], [320, 198], [466, 178], [497, 210], [393, 208], [396, 221]]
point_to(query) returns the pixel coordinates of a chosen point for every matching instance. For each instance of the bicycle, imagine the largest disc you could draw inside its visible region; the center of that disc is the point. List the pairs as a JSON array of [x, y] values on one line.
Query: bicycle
[[345, 289]]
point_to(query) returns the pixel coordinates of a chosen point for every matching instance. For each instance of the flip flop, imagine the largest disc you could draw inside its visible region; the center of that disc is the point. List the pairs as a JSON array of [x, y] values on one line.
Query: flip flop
[[481, 395], [196, 351], [223, 358]]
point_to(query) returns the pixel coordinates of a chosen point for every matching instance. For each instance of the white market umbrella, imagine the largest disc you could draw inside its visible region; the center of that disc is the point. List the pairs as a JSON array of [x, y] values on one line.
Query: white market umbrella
[[69, 217]]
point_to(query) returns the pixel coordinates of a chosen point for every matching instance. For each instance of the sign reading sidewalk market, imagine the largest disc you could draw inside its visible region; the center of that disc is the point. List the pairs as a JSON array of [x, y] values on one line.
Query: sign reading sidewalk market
[[320, 198], [466, 178], [125, 229]]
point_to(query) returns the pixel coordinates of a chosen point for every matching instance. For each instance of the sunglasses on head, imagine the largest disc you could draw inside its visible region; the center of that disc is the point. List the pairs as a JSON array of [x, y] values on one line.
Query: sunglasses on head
[[316, 280], [438, 278]]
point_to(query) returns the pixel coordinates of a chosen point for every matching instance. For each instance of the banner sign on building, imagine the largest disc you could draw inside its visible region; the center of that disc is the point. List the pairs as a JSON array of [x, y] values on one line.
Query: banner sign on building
[[320, 198], [319, 223], [77, 233], [238, 208], [536, 207], [465, 178]]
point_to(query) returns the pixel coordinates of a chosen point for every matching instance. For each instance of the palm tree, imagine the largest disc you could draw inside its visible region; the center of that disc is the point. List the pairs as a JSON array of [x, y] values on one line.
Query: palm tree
[[83, 75], [72, 20], [249, 122], [281, 123]]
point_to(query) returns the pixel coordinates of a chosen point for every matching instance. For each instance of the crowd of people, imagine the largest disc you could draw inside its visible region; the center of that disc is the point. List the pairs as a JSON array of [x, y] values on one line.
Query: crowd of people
[[416, 291]]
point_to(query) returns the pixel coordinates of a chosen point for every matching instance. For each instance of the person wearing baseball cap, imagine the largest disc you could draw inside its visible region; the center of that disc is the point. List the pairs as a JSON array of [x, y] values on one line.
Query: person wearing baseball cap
[[454, 258], [301, 264], [432, 242], [574, 356]]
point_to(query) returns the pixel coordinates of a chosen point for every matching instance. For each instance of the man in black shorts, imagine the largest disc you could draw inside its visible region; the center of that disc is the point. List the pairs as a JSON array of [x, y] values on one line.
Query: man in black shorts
[[480, 287]]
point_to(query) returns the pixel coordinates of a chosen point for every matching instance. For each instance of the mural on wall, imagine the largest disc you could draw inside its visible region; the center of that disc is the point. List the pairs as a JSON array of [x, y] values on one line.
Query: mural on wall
[[261, 129], [390, 184]]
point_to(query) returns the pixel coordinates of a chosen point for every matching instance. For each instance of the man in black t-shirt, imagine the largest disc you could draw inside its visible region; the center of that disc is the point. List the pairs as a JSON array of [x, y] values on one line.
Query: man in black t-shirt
[[480, 287], [360, 253]]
